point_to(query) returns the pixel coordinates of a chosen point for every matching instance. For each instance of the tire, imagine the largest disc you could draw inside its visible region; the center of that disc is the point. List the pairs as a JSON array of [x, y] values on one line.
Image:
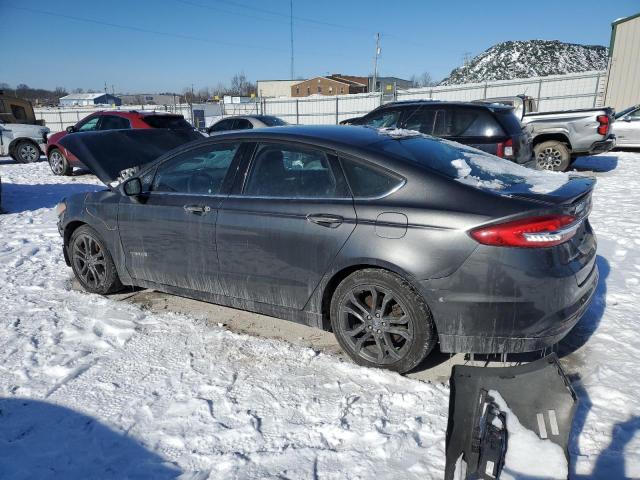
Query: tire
[[58, 163], [27, 152], [396, 332], [552, 155], [96, 275]]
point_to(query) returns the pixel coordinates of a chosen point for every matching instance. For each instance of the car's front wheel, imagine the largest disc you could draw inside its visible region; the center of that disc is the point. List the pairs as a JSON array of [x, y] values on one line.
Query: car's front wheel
[[27, 152], [58, 163], [92, 263], [381, 321], [552, 155]]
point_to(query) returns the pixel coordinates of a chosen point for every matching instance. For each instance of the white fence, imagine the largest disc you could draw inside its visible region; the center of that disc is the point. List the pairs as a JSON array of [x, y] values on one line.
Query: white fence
[[57, 119], [557, 92]]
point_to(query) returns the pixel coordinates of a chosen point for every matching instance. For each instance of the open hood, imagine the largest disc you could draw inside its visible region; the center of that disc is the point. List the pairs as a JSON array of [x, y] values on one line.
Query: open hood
[[109, 152]]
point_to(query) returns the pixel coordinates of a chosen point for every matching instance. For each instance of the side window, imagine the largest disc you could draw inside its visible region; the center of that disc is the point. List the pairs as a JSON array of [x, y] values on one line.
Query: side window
[[368, 181], [113, 122], [199, 172], [223, 125], [422, 120], [292, 171], [383, 119], [19, 112], [91, 124], [242, 124]]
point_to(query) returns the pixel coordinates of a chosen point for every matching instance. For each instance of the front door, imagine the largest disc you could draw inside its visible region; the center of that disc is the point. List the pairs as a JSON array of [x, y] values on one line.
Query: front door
[[280, 233], [168, 234], [627, 129]]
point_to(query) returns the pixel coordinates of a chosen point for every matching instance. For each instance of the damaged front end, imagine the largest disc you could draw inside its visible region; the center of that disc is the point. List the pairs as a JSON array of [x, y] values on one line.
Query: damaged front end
[[509, 422]]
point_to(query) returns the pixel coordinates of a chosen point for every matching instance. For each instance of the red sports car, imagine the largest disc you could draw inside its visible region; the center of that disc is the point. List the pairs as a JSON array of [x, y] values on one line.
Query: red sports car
[[62, 161]]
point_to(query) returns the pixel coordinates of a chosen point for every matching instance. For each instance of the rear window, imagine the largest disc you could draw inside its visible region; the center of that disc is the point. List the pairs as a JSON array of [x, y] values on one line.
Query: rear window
[[454, 122], [174, 122], [471, 166], [272, 121], [509, 121]]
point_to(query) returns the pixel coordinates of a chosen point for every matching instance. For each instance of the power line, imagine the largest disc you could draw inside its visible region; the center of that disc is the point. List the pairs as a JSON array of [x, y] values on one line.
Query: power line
[[143, 30]]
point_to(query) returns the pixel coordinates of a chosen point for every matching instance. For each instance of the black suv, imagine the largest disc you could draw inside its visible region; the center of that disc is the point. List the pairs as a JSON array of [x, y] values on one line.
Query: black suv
[[492, 128]]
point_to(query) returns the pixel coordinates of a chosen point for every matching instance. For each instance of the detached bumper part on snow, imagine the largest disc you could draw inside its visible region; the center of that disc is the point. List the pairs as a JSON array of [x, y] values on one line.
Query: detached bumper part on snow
[[537, 393]]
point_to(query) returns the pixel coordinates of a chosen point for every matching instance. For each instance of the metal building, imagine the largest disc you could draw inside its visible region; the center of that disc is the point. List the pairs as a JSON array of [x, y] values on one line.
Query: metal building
[[623, 82], [275, 88], [85, 99]]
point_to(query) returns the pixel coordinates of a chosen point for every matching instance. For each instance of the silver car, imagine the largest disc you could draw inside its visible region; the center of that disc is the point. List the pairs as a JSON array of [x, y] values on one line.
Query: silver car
[[627, 127], [245, 122]]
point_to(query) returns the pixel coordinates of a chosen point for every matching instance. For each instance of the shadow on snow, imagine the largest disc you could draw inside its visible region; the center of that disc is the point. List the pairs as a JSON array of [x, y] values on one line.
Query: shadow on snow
[[43, 440], [18, 197]]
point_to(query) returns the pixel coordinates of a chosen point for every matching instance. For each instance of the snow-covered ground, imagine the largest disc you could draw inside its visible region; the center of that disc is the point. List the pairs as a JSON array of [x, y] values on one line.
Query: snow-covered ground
[[92, 388]]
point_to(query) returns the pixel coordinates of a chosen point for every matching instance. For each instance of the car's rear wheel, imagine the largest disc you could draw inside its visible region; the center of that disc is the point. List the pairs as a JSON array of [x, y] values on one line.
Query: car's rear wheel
[[27, 152], [92, 263], [552, 155], [58, 163], [381, 321]]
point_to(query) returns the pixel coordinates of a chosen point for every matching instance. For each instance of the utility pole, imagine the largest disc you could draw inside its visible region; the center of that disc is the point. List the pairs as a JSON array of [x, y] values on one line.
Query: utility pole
[[291, 35], [375, 63]]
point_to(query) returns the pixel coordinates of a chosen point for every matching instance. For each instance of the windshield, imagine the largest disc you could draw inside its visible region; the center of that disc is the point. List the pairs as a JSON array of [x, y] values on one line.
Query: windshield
[[174, 122], [625, 111], [272, 121], [469, 165]]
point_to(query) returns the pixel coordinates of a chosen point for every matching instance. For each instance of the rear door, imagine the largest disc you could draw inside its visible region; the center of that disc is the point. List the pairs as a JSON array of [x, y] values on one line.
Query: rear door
[[168, 234], [290, 216]]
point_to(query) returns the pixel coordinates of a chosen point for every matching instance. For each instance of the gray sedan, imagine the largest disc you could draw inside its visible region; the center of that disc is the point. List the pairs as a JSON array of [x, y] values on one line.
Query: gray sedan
[[627, 127], [245, 122]]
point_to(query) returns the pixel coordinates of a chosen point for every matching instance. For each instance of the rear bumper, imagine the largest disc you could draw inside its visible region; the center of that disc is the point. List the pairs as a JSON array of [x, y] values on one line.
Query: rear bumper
[[603, 145], [558, 326], [504, 300]]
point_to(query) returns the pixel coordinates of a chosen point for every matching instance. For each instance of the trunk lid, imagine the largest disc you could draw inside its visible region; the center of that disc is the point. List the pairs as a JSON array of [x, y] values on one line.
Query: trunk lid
[[108, 153]]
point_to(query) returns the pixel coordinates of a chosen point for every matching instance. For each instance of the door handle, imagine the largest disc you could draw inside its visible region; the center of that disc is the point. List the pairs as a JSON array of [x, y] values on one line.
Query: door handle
[[197, 209], [326, 220]]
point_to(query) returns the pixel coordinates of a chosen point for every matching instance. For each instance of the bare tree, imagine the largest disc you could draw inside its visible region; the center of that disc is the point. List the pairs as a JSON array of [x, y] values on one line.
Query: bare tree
[[423, 80]]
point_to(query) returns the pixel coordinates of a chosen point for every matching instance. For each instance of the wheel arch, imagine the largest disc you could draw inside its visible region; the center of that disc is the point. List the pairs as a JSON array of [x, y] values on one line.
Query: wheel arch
[[69, 228], [545, 137], [340, 274], [16, 141]]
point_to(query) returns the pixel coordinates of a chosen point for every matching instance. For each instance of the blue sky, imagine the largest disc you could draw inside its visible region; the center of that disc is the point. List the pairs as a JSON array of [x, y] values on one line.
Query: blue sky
[[170, 44]]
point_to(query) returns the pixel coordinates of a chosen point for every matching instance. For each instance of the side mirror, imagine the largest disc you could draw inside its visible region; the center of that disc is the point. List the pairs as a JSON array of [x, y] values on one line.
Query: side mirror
[[627, 119], [132, 187], [71, 129]]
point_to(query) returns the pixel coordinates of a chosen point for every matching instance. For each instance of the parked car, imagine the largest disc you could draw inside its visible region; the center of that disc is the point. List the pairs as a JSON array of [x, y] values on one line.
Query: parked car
[[393, 241], [491, 128], [627, 127], [22, 137], [62, 161], [245, 122], [559, 137]]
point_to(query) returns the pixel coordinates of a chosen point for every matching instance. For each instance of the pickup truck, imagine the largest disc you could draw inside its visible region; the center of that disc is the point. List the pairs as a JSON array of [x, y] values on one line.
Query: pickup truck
[[21, 136], [559, 137]]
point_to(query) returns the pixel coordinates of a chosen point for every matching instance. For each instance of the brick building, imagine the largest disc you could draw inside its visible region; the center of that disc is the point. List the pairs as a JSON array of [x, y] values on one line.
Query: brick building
[[330, 85]]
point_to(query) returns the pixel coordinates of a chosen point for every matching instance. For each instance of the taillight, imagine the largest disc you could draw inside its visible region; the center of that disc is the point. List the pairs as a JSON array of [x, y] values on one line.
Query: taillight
[[547, 231], [505, 149], [603, 128]]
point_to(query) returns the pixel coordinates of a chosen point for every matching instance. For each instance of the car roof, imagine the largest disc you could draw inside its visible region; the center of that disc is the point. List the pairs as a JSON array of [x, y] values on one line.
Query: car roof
[[419, 103], [131, 113], [328, 135]]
